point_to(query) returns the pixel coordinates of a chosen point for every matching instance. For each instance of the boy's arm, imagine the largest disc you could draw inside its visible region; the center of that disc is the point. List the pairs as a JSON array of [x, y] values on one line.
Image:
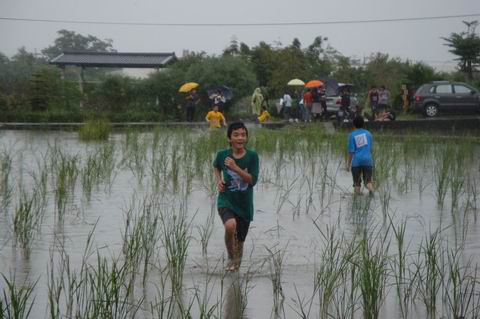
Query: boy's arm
[[230, 163], [349, 160], [218, 178], [207, 118]]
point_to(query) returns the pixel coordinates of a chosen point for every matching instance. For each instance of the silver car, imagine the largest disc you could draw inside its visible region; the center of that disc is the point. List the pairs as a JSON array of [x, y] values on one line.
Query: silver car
[[334, 98]]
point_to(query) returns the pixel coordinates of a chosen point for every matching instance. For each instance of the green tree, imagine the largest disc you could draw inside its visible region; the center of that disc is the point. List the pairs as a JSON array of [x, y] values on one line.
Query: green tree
[[264, 60], [233, 48], [320, 57], [72, 41], [466, 45], [15, 78], [232, 71], [291, 64], [418, 74]]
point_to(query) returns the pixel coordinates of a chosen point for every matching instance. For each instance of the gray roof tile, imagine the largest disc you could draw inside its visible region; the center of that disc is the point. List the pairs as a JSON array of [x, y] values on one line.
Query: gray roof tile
[[114, 59]]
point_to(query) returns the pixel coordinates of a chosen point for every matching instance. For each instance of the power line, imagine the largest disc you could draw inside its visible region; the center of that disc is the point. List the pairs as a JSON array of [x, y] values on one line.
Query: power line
[[243, 24]]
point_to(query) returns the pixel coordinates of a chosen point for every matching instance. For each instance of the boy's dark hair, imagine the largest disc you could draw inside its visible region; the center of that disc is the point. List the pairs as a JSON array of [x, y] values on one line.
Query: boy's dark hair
[[264, 107], [235, 126], [358, 121]]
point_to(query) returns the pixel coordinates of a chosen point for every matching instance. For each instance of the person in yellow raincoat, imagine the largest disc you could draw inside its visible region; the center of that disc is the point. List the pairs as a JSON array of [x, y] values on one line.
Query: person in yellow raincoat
[[257, 100], [265, 116], [215, 118]]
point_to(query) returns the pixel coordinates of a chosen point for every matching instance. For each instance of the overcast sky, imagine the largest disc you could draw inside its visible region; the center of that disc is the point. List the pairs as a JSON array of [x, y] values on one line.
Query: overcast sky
[[415, 40]]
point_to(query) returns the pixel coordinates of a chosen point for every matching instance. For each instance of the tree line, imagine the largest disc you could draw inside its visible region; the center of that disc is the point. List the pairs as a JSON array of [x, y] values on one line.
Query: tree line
[[31, 89]]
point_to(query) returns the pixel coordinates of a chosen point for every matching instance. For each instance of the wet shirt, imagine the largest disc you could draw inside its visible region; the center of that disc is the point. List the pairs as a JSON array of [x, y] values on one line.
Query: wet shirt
[[383, 97], [360, 144], [191, 101], [307, 98], [287, 100], [238, 195], [215, 119]]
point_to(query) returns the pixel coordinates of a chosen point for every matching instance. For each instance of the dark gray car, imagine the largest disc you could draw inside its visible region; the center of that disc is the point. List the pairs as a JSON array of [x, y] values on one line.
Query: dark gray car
[[446, 97]]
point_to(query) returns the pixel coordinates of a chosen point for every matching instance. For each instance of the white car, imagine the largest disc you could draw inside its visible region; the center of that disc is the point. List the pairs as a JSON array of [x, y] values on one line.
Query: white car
[[335, 100]]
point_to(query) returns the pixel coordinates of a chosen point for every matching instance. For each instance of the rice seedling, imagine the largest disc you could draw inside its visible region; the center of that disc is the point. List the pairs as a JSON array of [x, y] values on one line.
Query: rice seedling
[[205, 232], [276, 258], [472, 196], [140, 236], [17, 301], [175, 239], [27, 218], [6, 189], [163, 306], [457, 181], [135, 154], [385, 196], [430, 272], [336, 259], [66, 178], [205, 308], [302, 306], [372, 272], [95, 130], [460, 286], [236, 299], [404, 279], [441, 173]]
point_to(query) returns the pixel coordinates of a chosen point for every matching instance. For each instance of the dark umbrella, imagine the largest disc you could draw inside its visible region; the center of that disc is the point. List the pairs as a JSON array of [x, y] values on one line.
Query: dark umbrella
[[225, 90]]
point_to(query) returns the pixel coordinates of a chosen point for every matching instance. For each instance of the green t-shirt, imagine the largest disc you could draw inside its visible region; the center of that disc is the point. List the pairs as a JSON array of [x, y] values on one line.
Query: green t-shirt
[[238, 195]]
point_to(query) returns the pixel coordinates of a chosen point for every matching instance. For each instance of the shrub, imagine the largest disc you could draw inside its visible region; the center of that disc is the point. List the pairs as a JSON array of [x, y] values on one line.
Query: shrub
[[95, 130]]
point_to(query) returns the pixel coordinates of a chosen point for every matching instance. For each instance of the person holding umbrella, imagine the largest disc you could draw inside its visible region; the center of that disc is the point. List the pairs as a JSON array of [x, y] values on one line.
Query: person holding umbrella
[[191, 102], [219, 95], [218, 99]]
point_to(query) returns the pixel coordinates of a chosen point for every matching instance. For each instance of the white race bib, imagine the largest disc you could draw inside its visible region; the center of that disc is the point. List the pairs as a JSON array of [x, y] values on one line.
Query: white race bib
[[361, 140]]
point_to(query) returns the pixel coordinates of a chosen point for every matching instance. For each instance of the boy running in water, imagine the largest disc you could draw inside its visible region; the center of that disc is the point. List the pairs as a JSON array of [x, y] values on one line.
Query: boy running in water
[[236, 172]]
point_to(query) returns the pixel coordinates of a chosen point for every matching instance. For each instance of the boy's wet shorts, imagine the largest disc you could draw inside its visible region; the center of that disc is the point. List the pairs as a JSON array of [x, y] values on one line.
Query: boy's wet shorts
[[362, 171], [242, 223]]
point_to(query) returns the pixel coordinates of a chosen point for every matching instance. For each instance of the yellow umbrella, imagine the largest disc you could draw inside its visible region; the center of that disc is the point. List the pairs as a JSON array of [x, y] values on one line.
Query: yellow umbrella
[[296, 82], [187, 87]]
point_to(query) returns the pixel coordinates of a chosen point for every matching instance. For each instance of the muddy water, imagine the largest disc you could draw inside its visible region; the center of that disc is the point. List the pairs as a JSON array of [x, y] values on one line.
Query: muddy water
[[286, 220]]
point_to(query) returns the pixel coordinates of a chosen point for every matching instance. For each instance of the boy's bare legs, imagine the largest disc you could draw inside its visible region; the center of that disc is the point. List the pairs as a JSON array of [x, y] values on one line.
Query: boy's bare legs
[[369, 186], [234, 247], [230, 228], [231, 243]]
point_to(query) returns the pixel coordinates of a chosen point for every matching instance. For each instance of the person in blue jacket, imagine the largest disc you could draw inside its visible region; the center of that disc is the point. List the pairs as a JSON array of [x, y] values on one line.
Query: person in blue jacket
[[360, 161]]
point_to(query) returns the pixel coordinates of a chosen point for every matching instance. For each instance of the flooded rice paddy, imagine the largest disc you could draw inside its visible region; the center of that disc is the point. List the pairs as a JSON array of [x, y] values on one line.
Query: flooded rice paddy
[[128, 228]]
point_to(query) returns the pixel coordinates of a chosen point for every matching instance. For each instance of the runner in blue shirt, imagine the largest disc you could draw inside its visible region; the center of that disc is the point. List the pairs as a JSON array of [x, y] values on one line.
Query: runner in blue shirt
[[360, 160]]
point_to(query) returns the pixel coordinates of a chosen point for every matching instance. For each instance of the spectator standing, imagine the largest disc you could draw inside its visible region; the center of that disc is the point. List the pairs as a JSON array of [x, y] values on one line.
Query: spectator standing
[[307, 101], [323, 100], [373, 99], [257, 101], [316, 104], [219, 100], [287, 105], [383, 98], [191, 102], [405, 98]]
